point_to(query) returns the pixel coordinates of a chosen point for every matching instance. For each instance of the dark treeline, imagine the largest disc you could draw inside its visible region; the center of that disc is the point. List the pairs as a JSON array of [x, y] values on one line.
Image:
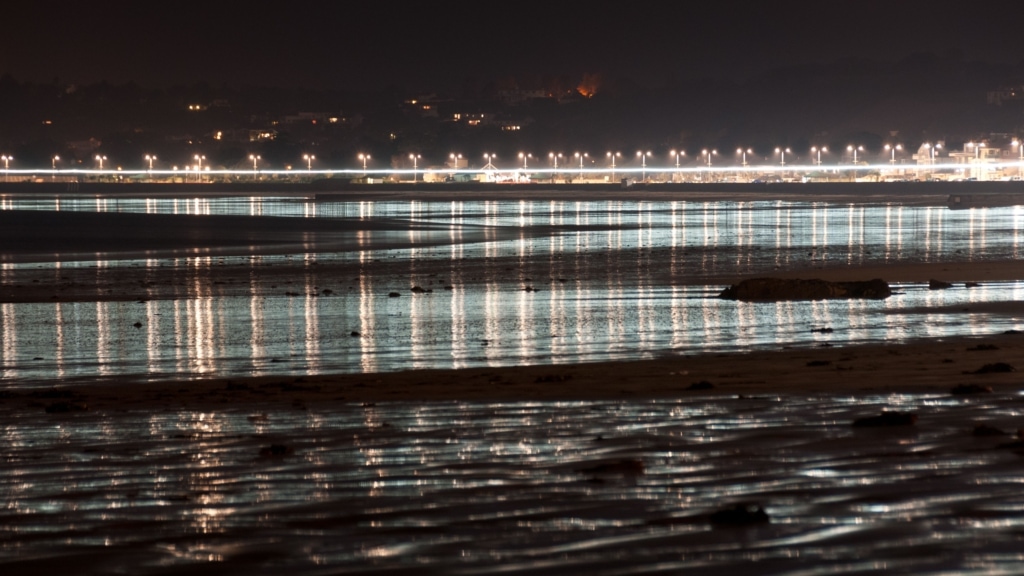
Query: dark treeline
[[921, 98]]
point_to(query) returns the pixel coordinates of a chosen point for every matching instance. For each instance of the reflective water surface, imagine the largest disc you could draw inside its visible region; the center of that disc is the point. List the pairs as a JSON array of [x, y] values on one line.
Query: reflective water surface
[[514, 282], [521, 488]]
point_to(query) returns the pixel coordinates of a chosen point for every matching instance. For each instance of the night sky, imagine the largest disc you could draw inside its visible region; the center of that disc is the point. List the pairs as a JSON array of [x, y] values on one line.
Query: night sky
[[439, 45]]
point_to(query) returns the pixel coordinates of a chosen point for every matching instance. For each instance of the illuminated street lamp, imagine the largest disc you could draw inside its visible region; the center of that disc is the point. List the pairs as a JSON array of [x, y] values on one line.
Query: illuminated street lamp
[[489, 165], [854, 149], [782, 151], [525, 156], [818, 151], [581, 157], [255, 164], [643, 164], [744, 153], [415, 160], [365, 157], [677, 154], [455, 162], [707, 154], [931, 151], [554, 158], [893, 149], [99, 159], [612, 156], [1020, 149], [53, 166], [149, 158], [309, 161], [199, 169], [7, 164]]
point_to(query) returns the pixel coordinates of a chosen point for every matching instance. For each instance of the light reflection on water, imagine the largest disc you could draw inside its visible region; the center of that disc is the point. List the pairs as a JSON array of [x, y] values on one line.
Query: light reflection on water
[[524, 487], [608, 280]]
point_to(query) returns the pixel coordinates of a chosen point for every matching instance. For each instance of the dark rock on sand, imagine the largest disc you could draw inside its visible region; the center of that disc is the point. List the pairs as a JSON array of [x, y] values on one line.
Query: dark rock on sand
[[780, 289], [275, 450], [65, 407], [740, 515], [939, 284], [702, 385], [394, 295], [886, 418], [970, 389], [984, 430], [994, 368]]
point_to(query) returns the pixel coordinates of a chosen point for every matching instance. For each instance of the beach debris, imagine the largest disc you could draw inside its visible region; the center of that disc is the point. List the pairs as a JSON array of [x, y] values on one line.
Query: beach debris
[[783, 289], [530, 289], [742, 514], [65, 407], [984, 430], [885, 419], [257, 418], [981, 347], [137, 325], [276, 451], [355, 334], [292, 294], [816, 363], [327, 291], [701, 385], [971, 284], [821, 330], [994, 368], [962, 389], [449, 287], [420, 290], [394, 295], [934, 284], [1013, 332]]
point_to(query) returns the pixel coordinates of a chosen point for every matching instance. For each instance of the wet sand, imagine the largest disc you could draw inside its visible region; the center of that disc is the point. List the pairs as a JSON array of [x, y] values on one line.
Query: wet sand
[[609, 467]]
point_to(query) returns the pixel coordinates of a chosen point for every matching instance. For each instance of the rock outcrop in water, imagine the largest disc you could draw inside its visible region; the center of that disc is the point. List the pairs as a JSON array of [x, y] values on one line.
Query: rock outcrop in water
[[781, 289]]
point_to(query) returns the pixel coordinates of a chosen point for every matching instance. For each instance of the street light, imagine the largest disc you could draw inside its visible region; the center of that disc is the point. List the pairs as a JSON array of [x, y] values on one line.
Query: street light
[[255, 163], [677, 154], [932, 149], [149, 158], [581, 157], [415, 159], [525, 156], [309, 161], [1020, 148], [364, 158], [53, 166], [744, 154], [818, 151], [643, 164], [854, 149], [554, 158], [612, 156], [783, 152], [489, 165], [893, 149], [199, 169], [455, 163], [99, 159], [7, 165]]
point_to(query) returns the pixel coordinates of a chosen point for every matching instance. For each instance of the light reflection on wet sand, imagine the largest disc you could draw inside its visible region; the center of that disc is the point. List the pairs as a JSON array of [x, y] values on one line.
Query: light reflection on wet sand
[[613, 280], [605, 487]]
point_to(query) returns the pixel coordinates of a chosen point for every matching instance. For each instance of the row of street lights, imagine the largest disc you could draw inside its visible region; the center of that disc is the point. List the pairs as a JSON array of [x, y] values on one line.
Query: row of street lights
[[707, 157]]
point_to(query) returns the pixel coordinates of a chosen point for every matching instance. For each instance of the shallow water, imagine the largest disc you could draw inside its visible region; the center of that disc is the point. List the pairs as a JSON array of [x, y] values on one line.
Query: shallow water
[[607, 280], [600, 487]]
